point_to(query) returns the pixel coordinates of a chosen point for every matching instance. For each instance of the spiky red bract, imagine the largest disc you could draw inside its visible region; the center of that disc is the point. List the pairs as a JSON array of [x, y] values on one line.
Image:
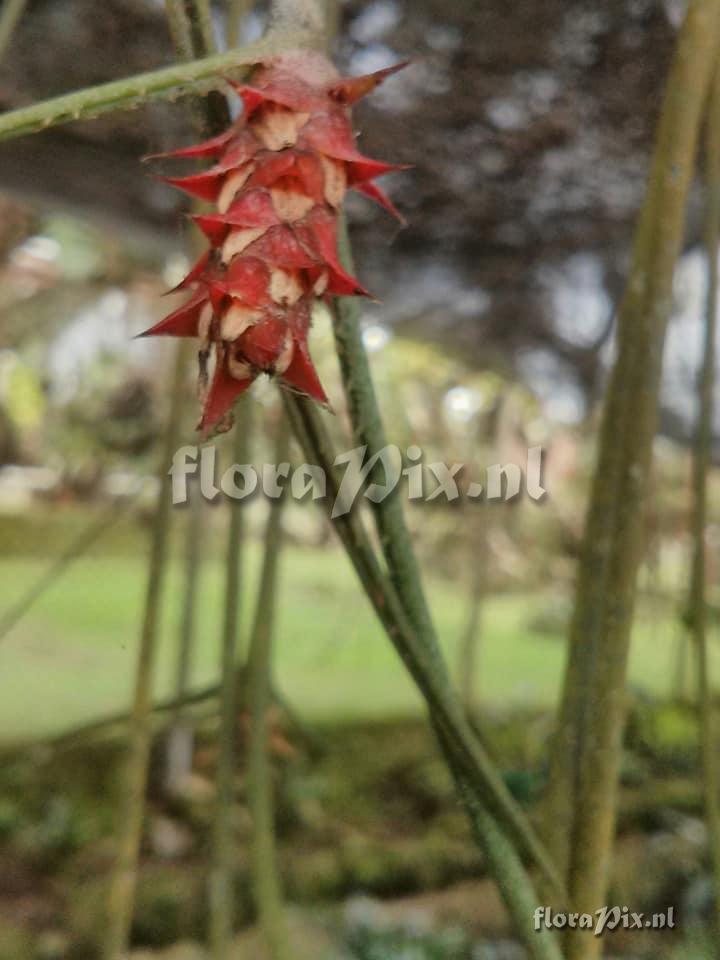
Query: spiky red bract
[[278, 181]]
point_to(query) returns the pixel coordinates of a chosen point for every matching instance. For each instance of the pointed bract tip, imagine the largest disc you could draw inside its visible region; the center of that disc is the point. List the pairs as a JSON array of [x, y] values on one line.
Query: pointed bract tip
[[251, 97], [351, 89], [212, 227], [374, 192], [201, 186], [182, 322], [302, 376], [224, 391], [208, 148], [196, 273]]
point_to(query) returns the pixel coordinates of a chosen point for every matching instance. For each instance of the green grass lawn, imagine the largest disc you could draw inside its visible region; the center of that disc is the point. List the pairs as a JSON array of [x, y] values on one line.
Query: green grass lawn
[[71, 659]]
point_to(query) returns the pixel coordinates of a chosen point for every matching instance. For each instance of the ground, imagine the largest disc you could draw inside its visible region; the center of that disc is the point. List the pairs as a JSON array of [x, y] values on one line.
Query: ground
[[375, 849], [72, 657]]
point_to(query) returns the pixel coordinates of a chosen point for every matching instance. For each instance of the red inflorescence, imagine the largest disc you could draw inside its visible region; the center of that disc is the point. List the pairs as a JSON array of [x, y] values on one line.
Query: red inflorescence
[[278, 182]]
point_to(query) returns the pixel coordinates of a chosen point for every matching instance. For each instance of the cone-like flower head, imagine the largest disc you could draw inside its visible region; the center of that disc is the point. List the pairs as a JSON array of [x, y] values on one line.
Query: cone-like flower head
[[278, 180]]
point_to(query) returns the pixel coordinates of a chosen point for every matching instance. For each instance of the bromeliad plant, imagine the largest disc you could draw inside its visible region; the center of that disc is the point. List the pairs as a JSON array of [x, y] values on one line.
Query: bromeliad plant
[[278, 183], [391, 581]]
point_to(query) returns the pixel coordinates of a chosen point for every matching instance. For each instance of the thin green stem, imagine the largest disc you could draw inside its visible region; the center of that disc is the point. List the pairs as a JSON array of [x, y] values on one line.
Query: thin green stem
[[202, 24], [124, 877], [77, 549], [368, 430], [179, 26], [698, 611], [194, 76], [396, 543], [308, 15], [10, 14], [222, 866], [333, 15], [266, 876], [581, 800], [222, 896], [164, 711], [188, 617], [505, 867], [180, 736], [180, 739], [237, 10], [470, 638], [124, 880], [444, 706]]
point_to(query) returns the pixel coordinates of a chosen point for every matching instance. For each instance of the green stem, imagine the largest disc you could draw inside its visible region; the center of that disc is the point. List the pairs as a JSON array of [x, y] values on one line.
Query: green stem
[[195, 76], [505, 867], [444, 706], [164, 711], [224, 854], [470, 638], [77, 549], [396, 543], [309, 15], [701, 464], [368, 430], [333, 18], [237, 10], [124, 880], [266, 876], [180, 736], [179, 27], [201, 20], [188, 619], [124, 877], [10, 14], [581, 799]]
